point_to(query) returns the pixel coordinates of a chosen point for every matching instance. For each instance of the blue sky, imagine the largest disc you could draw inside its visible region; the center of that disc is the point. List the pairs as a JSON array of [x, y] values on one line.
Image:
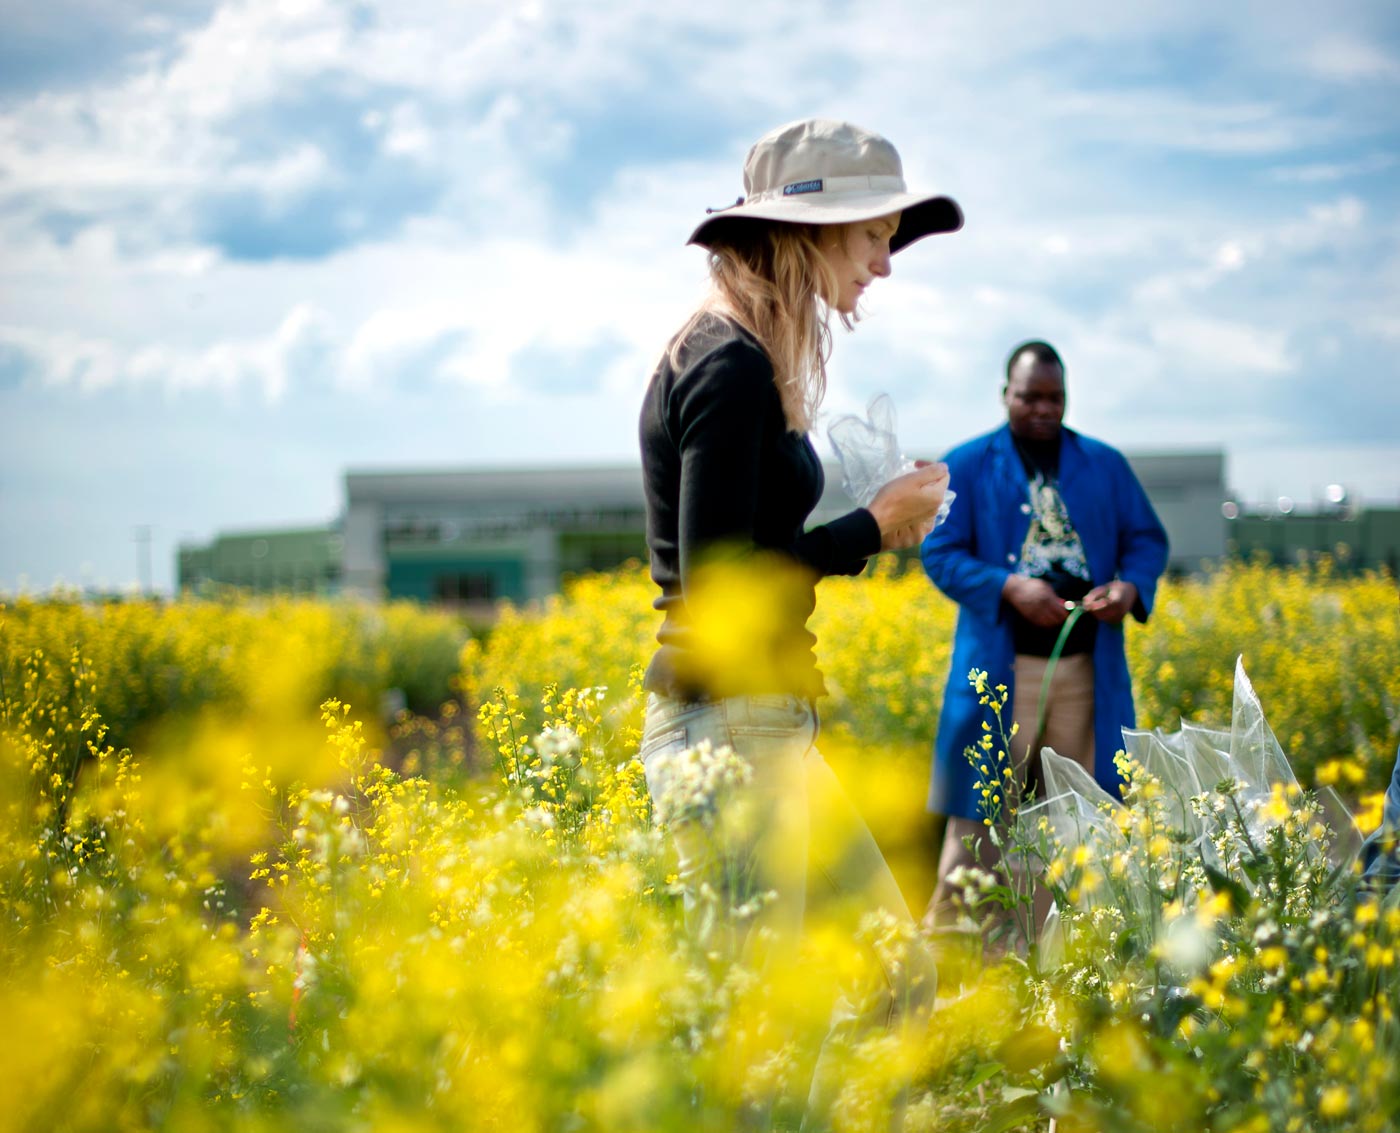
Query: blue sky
[[244, 246]]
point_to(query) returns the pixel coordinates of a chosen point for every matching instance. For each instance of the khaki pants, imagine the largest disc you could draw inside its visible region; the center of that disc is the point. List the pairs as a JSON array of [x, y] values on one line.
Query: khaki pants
[[1069, 729]]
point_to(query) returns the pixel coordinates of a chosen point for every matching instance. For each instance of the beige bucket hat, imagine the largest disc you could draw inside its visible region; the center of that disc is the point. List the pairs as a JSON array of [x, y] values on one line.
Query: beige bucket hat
[[821, 171]]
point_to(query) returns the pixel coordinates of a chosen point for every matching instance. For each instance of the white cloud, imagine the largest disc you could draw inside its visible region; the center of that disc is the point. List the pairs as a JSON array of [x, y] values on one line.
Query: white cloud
[[1181, 120], [1328, 171], [285, 175], [1200, 265], [490, 201], [1352, 60], [1219, 345], [249, 52], [294, 351], [1230, 256], [1383, 326], [392, 341], [1343, 213], [406, 133]]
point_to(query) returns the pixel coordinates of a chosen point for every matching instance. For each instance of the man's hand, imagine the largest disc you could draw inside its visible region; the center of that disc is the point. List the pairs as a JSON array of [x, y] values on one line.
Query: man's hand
[[1111, 602], [1035, 600]]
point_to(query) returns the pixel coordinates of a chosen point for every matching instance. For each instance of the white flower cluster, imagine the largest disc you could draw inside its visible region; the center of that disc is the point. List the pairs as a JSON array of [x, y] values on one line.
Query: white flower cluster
[[558, 746], [538, 818], [889, 936], [697, 780], [972, 884], [1187, 942], [327, 833]]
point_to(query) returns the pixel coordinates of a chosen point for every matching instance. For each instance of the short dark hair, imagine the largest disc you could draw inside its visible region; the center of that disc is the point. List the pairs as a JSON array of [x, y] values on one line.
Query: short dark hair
[[1041, 351]]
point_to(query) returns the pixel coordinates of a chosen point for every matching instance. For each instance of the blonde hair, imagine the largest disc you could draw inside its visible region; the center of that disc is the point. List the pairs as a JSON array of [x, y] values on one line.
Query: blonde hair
[[772, 279]]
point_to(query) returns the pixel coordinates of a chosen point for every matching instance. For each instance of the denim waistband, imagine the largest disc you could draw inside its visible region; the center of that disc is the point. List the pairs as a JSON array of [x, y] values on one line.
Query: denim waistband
[[739, 711]]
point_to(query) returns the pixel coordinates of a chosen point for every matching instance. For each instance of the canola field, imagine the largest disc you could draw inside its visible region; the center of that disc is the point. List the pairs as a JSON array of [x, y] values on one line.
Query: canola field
[[255, 875]]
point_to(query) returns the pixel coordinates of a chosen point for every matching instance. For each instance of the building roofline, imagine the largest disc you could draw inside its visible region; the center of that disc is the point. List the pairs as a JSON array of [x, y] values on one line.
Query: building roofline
[[331, 527], [491, 469], [623, 482]]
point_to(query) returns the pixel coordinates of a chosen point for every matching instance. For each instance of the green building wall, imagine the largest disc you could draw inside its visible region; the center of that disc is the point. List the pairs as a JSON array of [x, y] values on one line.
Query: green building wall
[[1365, 540], [302, 560]]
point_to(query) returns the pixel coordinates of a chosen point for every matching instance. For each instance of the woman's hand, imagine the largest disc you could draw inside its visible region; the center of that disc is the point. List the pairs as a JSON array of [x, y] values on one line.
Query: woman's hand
[[905, 507]]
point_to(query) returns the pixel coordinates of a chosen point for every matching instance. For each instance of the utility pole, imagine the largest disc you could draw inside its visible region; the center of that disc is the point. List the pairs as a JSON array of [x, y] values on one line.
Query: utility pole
[[143, 557]]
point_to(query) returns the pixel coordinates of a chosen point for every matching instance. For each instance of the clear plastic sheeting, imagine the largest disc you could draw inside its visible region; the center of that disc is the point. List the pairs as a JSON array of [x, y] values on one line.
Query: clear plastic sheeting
[[1078, 808], [869, 452], [1254, 751], [1207, 750], [1165, 757], [1197, 782]]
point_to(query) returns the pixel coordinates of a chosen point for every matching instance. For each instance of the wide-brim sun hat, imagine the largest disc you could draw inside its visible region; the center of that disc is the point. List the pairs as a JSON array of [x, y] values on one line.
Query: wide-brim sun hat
[[821, 171]]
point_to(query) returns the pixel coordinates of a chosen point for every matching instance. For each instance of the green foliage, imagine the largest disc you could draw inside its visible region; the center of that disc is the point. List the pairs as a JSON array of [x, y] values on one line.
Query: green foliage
[[258, 925], [1323, 651], [156, 661]]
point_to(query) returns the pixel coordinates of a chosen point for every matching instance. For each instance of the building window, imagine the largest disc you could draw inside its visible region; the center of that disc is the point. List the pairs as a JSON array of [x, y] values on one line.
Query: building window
[[470, 587]]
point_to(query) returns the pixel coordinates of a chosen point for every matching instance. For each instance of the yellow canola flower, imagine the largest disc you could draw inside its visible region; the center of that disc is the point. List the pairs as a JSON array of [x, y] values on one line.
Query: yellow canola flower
[[439, 937], [1371, 813], [1277, 810], [1334, 1102], [1224, 969]]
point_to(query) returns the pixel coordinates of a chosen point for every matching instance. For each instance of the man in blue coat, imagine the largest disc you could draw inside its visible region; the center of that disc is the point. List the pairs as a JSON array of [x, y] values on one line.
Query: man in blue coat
[[1045, 520]]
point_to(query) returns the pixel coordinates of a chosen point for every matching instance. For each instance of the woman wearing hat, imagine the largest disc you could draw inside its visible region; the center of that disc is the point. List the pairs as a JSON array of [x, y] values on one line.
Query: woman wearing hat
[[731, 478]]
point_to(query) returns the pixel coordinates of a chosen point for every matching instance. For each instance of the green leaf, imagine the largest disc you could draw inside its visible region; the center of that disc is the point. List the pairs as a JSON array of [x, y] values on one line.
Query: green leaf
[[1129, 944], [1240, 900], [1006, 1117], [984, 1073], [1030, 1048]]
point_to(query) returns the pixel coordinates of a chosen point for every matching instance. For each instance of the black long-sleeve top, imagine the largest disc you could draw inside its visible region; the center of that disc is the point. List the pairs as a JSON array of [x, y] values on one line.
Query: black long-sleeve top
[[726, 478]]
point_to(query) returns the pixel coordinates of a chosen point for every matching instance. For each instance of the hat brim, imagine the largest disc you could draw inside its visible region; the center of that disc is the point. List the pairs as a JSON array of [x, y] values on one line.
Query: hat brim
[[920, 216]]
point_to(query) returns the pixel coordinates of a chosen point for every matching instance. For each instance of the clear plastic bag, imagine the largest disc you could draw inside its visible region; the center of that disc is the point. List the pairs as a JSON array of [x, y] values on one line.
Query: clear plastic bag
[[1186, 764], [868, 449]]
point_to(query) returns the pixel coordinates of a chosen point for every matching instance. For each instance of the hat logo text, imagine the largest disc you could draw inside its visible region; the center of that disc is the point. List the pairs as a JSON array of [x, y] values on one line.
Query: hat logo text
[[802, 187]]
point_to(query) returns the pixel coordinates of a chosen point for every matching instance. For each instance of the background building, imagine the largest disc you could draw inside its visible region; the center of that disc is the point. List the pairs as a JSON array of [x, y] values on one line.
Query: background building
[[303, 560], [475, 537], [1186, 490], [1359, 538]]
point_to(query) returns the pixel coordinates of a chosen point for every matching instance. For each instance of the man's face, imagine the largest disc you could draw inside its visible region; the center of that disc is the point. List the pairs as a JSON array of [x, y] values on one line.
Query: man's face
[[1035, 399]]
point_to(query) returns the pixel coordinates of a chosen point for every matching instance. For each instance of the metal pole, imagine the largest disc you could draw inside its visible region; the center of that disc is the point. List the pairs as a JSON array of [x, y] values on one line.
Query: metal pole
[[143, 557]]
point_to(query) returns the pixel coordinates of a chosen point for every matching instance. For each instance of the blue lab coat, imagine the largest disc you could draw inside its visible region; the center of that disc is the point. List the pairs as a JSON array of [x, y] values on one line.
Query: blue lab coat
[[971, 553]]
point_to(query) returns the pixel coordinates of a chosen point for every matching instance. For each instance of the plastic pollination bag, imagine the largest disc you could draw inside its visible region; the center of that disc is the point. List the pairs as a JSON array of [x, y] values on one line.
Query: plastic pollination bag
[[870, 455], [1193, 763]]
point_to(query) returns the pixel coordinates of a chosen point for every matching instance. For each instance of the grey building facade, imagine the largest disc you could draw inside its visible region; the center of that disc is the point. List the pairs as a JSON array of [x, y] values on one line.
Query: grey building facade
[[472, 537], [1187, 490], [479, 536]]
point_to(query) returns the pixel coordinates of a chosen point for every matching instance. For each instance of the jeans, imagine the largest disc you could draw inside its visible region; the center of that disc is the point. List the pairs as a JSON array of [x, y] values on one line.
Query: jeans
[[788, 850]]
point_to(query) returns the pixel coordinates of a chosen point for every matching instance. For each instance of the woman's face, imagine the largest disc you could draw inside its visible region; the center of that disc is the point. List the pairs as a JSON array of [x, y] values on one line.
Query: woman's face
[[857, 254]]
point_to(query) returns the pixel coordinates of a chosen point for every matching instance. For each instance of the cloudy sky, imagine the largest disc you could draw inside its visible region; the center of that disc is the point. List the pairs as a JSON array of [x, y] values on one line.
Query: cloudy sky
[[246, 245]]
